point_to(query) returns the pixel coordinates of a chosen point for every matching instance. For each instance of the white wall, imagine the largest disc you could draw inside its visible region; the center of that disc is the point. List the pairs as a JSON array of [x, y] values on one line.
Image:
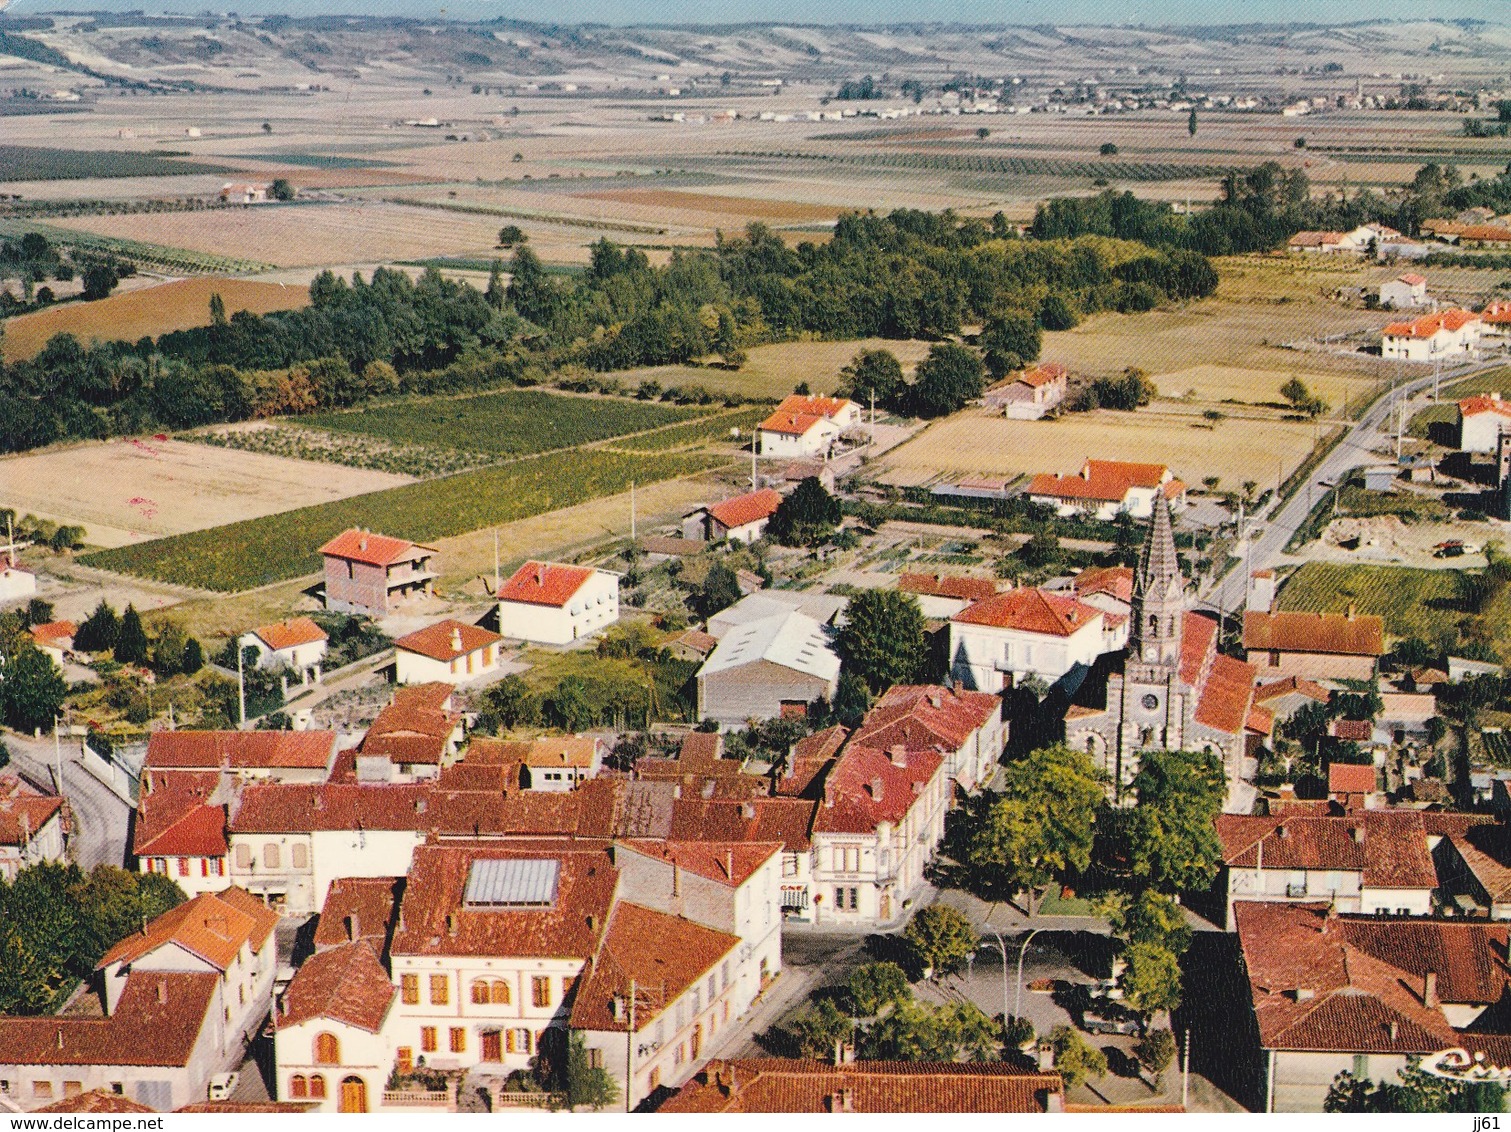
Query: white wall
[[363, 1054], [977, 650], [593, 607], [415, 668]]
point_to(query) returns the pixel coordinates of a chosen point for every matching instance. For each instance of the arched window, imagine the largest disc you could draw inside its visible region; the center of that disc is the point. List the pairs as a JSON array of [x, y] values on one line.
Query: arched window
[[480, 992], [301, 856], [317, 1087], [270, 855], [243, 856], [498, 992], [298, 1086], [327, 1049], [1153, 625]]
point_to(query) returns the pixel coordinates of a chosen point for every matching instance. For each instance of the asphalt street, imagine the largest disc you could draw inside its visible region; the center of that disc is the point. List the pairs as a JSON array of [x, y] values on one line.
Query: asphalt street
[[100, 819]]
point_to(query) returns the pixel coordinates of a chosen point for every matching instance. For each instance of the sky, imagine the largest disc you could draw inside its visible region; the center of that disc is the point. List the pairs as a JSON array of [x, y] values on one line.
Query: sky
[[1153, 12]]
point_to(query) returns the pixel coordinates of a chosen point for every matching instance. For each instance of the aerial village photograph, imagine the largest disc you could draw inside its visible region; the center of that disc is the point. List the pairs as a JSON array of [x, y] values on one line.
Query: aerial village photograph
[[754, 558]]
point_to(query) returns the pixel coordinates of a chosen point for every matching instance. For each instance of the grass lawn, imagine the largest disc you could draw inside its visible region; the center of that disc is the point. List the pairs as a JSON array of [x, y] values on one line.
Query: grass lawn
[[1057, 905]]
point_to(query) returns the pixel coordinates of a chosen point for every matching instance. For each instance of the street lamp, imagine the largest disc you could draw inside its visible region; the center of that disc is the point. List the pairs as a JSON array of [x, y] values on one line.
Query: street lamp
[[1023, 950]]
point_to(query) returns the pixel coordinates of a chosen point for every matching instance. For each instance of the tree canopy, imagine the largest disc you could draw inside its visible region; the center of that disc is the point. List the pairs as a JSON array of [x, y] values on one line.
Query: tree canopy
[[941, 937], [1173, 842], [882, 642], [806, 517]]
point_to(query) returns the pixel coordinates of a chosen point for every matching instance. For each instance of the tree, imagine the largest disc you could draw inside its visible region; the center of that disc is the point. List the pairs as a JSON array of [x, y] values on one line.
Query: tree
[[168, 649], [1173, 844], [1010, 341], [874, 374], [588, 1085], [874, 986], [816, 1031], [883, 642], [281, 189], [1418, 1091], [940, 937], [495, 294], [1149, 917], [852, 699], [1075, 1061], [1302, 399], [916, 1032], [511, 702], [1108, 149], [568, 707], [1151, 978], [100, 630], [947, 378], [267, 127], [194, 657], [1056, 313], [131, 644], [720, 590], [806, 517], [38, 611], [99, 280], [1156, 1053], [511, 234], [1040, 827], [217, 309], [33, 690], [1191, 123]]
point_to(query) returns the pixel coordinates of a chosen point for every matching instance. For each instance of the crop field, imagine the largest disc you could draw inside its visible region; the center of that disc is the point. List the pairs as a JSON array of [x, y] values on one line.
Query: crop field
[[1216, 383], [28, 163], [695, 433], [350, 449], [1236, 449], [1009, 166], [274, 548], [181, 261], [150, 311], [746, 207], [124, 491], [511, 423]]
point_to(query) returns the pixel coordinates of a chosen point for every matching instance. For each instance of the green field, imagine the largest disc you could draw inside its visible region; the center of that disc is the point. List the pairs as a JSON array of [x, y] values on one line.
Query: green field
[[181, 261], [688, 434], [273, 548], [1445, 414], [28, 163], [512, 423]]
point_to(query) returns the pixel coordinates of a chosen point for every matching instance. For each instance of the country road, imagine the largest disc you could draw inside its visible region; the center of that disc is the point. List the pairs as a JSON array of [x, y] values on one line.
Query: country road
[[1357, 447], [101, 820]]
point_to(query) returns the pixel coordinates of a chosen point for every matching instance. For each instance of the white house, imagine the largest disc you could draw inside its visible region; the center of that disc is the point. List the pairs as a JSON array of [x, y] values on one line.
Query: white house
[[1031, 394], [941, 596], [775, 667], [449, 652], [1029, 632], [1481, 421], [1409, 290], [329, 1042], [31, 828], [559, 764], [1105, 489], [296, 644], [1432, 336], [1366, 237], [55, 639], [16, 583], [965, 728], [741, 519], [555, 604], [180, 827], [803, 426]]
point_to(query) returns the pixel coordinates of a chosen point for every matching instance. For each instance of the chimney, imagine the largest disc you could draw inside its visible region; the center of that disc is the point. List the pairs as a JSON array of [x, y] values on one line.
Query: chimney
[[843, 1100], [1358, 835], [876, 788], [540, 573], [1395, 1030], [362, 542], [708, 788], [456, 639], [936, 699], [60, 1037], [1285, 832], [353, 928], [828, 796], [748, 811], [729, 863], [162, 993], [451, 923], [1351, 611], [1305, 994], [844, 1052], [592, 922], [616, 1007], [1430, 990], [898, 755]]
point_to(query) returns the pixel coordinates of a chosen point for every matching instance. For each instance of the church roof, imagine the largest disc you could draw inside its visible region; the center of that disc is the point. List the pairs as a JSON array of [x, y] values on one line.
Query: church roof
[[1158, 563]]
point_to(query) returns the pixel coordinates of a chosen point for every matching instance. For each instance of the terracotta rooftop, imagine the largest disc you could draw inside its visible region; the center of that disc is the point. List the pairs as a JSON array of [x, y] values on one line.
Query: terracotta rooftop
[[694, 639], [814, 405], [363, 907], [867, 786], [373, 549], [447, 640], [1341, 634], [241, 750], [730, 863], [1226, 695], [23, 814], [544, 583], [1198, 645], [788, 821], [1351, 730], [298, 807], [290, 633], [1350, 778], [578, 751], [1430, 324], [945, 585], [344, 984], [1031, 611], [53, 633], [922, 717], [1042, 375], [1474, 406], [175, 816], [1291, 685], [1102, 480], [791, 424], [407, 732], [1115, 581], [772, 1086], [213, 926], [749, 508], [97, 1100]]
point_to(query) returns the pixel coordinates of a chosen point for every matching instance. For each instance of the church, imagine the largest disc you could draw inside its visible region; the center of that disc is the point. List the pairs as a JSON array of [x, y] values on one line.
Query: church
[[1175, 692]]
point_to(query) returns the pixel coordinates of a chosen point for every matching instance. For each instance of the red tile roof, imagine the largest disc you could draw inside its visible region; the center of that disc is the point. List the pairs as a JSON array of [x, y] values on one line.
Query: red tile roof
[[373, 549], [730, 863], [924, 717], [1474, 406], [1116, 581], [867, 787], [1492, 233], [814, 405], [1031, 611], [290, 633], [306, 807], [944, 585], [1352, 730], [23, 814], [175, 817], [1291, 685], [1198, 645], [1042, 375], [694, 640], [1261, 721], [435, 695], [578, 751], [407, 733], [785, 820], [241, 750], [1315, 239], [1226, 695], [662, 955], [1102, 480], [213, 926], [97, 1100], [343, 984], [447, 640], [1337, 633], [749, 508], [772, 1086], [53, 633], [366, 904], [1430, 324], [792, 424], [1412, 279], [544, 583], [1350, 778]]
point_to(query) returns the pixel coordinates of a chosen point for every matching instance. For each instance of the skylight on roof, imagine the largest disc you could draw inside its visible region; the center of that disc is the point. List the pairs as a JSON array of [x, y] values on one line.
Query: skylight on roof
[[512, 883]]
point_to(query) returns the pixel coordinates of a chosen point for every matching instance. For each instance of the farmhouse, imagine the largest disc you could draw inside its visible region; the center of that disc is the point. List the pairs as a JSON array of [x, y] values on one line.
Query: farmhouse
[[777, 666], [1315, 242], [296, 644], [449, 651], [1366, 237], [1481, 422], [31, 828], [1409, 290], [553, 603], [1485, 236], [803, 426], [1107, 488], [1029, 395], [232, 193], [1327, 646], [997, 643], [1431, 336], [368, 573], [741, 519]]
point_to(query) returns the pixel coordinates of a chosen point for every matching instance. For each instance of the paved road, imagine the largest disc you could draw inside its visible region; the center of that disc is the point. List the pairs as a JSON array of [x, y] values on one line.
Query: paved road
[[1355, 449], [101, 820]]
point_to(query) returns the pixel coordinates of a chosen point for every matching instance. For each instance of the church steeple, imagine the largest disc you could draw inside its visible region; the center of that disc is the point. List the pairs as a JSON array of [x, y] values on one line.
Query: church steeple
[[1159, 592]]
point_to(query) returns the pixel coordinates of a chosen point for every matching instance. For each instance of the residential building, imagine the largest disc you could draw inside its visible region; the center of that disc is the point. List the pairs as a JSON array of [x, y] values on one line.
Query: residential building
[[1481, 421], [238, 193], [777, 666], [772, 1086], [1283, 698], [1369, 861], [1403, 292], [1325, 646], [558, 764], [16, 582], [180, 827], [1001, 641], [1494, 236], [553, 603], [941, 596], [1316, 242], [31, 827], [370, 573], [1353, 787], [329, 1042], [247, 756], [803, 426], [414, 738], [690, 644], [1108, 588], [1432, 336], [1031, 394], [786, 820], [54, 639], [1105, 489], [965, 728], [296, 644], [451, 652], [827, 609], [741, 519], [1365, 995]]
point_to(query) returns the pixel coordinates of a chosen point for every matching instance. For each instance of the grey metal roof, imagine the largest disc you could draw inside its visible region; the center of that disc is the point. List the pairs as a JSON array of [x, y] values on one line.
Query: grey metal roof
[[512, 883]]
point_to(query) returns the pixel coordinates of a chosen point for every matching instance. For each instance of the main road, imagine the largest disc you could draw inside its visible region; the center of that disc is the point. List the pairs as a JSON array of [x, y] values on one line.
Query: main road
[[1358, 446], [100, 819]]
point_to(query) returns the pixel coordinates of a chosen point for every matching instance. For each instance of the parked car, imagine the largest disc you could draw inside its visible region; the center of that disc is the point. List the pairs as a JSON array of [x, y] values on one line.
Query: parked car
[[222, 1085], [1108, 1018]]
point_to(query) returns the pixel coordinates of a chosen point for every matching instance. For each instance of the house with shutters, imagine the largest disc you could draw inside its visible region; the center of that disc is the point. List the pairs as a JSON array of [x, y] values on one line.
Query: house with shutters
[[180, 828], [553, 603], [370, 574], [803, 427], [1438, 335], [741, 519], [1105, 489], [31, 827], [449, 652]]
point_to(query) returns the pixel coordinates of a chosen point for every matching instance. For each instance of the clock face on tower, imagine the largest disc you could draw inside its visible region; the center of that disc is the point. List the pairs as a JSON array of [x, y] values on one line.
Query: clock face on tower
[[1150, 702]]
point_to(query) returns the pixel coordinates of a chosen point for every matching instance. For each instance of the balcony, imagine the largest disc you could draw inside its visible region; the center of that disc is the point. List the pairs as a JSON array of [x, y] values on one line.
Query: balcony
[[444, 1101]]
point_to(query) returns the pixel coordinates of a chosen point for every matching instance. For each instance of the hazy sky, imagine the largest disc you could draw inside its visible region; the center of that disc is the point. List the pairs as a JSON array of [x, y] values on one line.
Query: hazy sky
[[845, 11]]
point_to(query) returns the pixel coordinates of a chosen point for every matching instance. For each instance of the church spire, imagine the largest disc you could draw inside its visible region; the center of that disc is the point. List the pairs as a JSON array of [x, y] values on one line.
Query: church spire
[[1159, 592], [1158, 565]]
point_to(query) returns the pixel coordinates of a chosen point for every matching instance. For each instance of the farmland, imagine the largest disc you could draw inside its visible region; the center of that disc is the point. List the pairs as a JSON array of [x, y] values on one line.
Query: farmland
[[689, 434], [182, 261], [772, 371], [274, 548], [28, 163], [150, 311]]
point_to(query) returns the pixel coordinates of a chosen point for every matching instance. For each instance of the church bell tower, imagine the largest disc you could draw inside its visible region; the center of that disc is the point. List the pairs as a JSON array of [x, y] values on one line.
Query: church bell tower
[[1159, 593]]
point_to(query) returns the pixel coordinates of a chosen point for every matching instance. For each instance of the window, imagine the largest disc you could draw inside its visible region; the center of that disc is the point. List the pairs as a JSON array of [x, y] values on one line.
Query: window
[[327, 1049], [116, 1087], [846, 898], [243, 856], [42, 1090], [301, 856], [724, 975], [404, 1059], [72, 1088], [440, 990], [595, 1059], [298, 1086], [480, 992], [655, 1081], [410, 989], [427, 1039], [458, 1039], [518, 1041], [540, 990], [317, 1087], [270, 857], [183, 866], [680, 1054], [713, 986], [847, 859], [789, 865]]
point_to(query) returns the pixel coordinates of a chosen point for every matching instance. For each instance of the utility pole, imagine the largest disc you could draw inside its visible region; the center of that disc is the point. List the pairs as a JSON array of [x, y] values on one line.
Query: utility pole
[[1185, 1072], [496, 582], [241, 686], [873, 419], [754, 440], [632, 510], [629, 1056], [57, 747], [1022, 951]]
